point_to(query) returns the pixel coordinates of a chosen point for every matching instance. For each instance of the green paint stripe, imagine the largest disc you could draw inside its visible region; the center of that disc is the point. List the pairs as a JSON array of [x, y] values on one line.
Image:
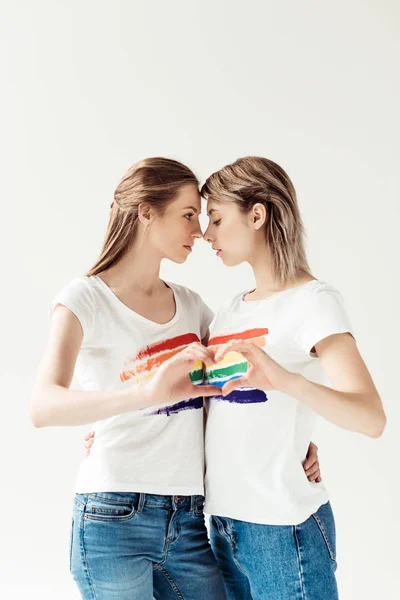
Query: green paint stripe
[[196, 376], [227, 371]]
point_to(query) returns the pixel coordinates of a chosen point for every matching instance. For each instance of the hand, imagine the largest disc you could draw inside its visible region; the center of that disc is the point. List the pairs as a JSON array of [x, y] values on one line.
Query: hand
[[172, 383], [89, 439], [311, 464], [263, 372]]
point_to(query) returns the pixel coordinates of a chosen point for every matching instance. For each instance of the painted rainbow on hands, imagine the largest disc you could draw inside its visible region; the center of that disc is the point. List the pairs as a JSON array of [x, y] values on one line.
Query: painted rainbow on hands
[[234, 365], [142, 367]]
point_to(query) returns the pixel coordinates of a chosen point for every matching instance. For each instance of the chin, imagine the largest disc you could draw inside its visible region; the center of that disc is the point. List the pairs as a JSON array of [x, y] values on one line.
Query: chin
[[232, 261], [177, 259]]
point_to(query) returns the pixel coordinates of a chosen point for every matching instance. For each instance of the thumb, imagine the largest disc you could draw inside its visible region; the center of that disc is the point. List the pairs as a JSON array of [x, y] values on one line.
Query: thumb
[[234, 384]]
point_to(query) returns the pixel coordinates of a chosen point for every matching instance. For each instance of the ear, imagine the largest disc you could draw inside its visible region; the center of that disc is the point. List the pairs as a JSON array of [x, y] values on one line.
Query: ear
[[145, 213], [258, 215]]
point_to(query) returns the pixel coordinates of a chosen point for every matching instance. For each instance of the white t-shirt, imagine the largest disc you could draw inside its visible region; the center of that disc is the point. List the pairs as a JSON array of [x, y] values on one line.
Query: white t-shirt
[[256, 442], [160, 449]]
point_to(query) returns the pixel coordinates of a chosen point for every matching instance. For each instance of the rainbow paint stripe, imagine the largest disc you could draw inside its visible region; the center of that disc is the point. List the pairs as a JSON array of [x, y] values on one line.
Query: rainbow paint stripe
[[144, 364], [234, 365]]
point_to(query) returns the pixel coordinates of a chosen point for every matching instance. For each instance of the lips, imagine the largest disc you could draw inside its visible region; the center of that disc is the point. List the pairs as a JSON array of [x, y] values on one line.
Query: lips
[[217, 250], [189, 248]]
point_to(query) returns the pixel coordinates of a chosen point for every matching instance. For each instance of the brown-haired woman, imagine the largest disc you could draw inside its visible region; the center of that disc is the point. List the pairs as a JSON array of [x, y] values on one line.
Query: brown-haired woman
[[138, 526], [272, 530]]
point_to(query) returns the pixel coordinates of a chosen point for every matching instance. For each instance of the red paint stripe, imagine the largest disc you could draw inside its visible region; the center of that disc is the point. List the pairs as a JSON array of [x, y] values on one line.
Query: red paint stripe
[[243, 335], [171, 344]]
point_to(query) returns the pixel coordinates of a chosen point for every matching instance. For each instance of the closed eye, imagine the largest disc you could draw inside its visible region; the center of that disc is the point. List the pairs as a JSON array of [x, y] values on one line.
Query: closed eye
[[217, 222], [189, 216]]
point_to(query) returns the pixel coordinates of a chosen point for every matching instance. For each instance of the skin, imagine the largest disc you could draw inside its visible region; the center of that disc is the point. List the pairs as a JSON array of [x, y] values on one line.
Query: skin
[[353, 402], [136, 282]]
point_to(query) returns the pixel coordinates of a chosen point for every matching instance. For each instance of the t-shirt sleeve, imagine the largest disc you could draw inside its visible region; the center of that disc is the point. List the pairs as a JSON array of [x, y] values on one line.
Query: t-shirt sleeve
[[324, 315], [78, 297]]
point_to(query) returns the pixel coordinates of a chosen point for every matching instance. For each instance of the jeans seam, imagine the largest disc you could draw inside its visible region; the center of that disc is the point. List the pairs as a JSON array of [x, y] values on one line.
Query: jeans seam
[[170, 580], [325, 536], [89, 577], [71, 541], [301, 578], [231, 539]]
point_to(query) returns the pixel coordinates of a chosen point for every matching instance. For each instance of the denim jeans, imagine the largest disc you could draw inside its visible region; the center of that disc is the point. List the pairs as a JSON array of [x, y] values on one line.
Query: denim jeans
[[139, 546], [274, 562]]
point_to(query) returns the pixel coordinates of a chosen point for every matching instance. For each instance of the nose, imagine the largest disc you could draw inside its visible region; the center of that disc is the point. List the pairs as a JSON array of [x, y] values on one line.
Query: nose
[[197, 233], [207, 236]]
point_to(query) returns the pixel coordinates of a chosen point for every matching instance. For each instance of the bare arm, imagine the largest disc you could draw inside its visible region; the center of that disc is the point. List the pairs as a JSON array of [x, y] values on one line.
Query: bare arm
[[353, 404], [53, 403]]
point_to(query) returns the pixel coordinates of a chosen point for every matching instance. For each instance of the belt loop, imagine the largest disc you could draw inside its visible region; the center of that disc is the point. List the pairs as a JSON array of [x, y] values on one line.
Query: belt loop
[[142, 498], [192, 504]]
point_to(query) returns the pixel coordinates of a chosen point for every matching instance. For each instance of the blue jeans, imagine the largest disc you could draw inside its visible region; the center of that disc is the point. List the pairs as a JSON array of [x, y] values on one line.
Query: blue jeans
[[131, 546], [274, 562]]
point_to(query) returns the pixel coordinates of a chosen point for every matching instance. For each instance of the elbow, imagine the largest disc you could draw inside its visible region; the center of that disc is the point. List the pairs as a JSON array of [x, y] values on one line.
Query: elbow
[[36, 414], [35, 418], [377, 425]]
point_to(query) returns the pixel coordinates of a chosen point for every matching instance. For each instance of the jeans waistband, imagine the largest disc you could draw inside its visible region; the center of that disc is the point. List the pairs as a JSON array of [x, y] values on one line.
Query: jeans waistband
[[140, 500]]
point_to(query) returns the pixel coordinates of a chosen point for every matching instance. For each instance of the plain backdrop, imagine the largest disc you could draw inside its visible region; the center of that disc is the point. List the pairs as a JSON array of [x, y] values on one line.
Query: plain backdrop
[[90, 87]]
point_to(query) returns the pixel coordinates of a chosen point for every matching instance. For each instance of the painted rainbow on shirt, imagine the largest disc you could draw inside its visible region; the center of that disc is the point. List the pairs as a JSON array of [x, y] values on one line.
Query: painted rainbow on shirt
[[234, 365], [142, 366]]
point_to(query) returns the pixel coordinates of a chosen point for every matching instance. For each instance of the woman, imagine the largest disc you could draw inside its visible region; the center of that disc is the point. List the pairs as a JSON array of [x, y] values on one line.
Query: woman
[[138, 526], [272, 531]]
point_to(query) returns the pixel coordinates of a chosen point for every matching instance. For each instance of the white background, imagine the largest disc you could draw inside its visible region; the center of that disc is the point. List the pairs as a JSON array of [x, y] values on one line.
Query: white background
[[90, 87]]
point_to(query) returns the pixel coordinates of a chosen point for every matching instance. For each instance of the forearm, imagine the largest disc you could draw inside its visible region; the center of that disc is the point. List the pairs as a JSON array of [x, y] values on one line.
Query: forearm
[[56, 405], [353, 411]]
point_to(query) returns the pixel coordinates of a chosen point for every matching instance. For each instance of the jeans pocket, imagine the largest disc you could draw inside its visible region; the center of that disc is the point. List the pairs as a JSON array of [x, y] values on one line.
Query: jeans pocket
[[326, 523], [199, 506], [71, 540], [108, 509]]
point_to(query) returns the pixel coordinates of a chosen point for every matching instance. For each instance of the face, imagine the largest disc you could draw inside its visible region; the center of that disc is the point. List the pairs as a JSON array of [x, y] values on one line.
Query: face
[[175, 231], [230, 232]]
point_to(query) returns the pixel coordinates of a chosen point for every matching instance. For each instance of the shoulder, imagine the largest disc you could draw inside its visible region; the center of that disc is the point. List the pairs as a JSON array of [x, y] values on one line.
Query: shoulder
[[79, 288], [319, 291], [184, 292]]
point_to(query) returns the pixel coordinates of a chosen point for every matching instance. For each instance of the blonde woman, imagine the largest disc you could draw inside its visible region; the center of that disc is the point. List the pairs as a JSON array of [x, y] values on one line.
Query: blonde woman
[[272, 531]]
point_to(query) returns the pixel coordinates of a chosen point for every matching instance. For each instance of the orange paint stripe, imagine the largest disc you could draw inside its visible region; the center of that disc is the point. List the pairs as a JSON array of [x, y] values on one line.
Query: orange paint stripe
[[259, 341], [243, 335]]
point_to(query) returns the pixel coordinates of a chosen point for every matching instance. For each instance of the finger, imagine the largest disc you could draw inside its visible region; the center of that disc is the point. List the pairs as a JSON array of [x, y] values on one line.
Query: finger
[[89, 435], [313, 477], [234, 384], [312, 448], [195, 353], [312, 460], [319, 479], [247, 349], [313, 470], [89, 443]]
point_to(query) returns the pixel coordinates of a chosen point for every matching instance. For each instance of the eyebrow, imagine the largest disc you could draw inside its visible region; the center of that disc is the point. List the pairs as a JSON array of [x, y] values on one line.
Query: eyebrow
[[191, 208]]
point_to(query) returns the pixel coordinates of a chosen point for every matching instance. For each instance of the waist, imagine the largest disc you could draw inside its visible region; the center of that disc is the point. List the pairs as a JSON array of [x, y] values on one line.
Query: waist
[[140, 500]]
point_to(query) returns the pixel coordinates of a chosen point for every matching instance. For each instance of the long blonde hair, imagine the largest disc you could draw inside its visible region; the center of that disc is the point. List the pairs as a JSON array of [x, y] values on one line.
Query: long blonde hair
[[155, 181], [254, 179]]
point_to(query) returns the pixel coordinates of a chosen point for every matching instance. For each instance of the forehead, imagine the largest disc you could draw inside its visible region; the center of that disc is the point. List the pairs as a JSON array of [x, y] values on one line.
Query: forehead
[[188, 195], [221, 206]]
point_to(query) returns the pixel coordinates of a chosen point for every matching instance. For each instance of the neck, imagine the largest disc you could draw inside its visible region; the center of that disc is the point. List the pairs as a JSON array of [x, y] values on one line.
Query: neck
[[138, 269], [266, 281]]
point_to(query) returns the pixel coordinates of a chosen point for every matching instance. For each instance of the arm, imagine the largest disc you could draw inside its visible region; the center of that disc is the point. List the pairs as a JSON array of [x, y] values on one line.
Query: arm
[[354, 404], [52, 403]]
